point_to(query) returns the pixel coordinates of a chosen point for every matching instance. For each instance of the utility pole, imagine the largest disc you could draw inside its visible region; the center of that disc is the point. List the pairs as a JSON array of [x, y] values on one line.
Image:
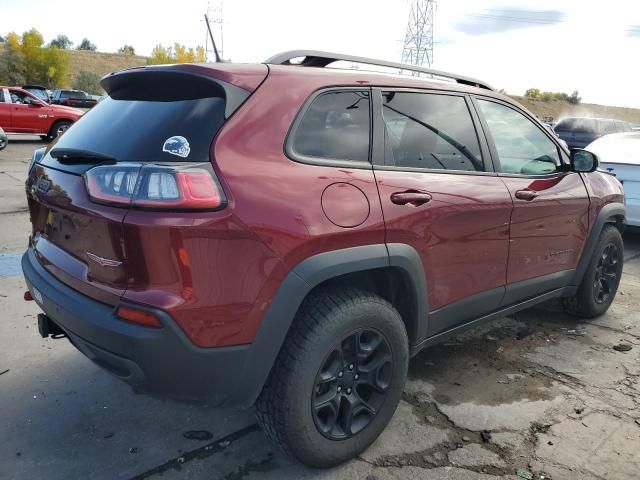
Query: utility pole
[[418, 41]]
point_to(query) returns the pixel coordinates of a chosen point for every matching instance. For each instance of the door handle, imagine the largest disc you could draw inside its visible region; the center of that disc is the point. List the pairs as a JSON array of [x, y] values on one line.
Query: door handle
[[526, 194], [411, 197]]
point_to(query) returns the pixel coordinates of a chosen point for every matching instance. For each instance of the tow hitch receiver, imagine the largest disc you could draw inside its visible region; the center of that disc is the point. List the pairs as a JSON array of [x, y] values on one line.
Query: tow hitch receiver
[[48, 328]]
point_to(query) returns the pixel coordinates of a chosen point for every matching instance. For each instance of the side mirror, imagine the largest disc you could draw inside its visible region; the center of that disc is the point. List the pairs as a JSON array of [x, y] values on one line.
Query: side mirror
[[583, 161]]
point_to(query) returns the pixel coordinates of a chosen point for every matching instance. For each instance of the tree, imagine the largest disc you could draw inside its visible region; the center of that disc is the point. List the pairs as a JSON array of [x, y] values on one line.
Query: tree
[[85, 44], [88, 82], [62, 42], [574, 98], [12, 62], [126, 50], [176, 54], [25, 60], [532, 93]]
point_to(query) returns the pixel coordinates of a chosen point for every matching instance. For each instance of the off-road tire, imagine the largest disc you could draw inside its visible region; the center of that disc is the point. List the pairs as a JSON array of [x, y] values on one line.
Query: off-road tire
[[583, 304], [284, 408]]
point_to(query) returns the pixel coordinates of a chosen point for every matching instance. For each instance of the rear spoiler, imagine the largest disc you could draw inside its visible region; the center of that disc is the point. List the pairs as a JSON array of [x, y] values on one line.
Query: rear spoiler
[[170, 84]]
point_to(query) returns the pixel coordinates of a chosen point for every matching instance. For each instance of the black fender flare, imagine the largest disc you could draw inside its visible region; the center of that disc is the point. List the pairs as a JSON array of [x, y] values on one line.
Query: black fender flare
[[308, 274], [610, 213]]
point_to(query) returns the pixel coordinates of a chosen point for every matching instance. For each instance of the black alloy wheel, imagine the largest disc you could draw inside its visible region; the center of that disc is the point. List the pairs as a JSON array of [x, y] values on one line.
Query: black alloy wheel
[[352, 384], [606, 274]]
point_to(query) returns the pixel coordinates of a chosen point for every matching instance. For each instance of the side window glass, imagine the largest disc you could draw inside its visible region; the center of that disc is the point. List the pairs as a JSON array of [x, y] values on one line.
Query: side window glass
[[430, 131], [335, 127], [522, 147], [609, 127]]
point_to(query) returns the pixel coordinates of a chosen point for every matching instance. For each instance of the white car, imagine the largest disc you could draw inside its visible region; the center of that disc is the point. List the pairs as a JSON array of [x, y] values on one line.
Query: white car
[[619, 154]]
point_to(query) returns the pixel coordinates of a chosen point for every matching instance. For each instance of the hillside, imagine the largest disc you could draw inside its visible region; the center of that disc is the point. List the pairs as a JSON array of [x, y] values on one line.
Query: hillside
[[560, 109], [100, 63]]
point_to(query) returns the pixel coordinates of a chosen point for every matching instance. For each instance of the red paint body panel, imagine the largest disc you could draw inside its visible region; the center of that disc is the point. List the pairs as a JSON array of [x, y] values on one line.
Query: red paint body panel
[[462, 234], [548, 232]]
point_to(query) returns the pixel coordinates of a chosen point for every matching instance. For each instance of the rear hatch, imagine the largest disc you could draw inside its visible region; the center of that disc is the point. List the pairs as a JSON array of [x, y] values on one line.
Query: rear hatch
[[141, 148]]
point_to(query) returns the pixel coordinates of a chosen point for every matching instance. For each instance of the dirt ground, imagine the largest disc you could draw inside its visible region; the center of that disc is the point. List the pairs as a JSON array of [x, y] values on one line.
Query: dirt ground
[[536, 395]]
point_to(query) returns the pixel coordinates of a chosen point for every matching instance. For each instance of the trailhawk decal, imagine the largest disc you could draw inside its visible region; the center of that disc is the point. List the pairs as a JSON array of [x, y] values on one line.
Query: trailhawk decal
[[177, 145]]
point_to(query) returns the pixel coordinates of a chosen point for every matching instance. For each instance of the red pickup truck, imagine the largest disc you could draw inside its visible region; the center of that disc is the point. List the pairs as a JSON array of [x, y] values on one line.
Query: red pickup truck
[[22, 112]]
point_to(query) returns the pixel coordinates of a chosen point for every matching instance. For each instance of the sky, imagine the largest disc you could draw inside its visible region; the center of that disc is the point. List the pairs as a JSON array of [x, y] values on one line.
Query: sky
[[561, 45]]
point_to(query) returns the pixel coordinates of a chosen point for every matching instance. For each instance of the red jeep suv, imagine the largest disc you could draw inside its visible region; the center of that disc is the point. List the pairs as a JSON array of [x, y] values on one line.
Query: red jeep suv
[[289, 235], [23, 112]]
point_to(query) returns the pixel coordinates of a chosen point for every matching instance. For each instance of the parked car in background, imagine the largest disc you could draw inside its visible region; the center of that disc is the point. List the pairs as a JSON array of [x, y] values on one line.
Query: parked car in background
[[22, 112], [619, 154], [73, 98], [579, 132], [4, 140], [41, 92]]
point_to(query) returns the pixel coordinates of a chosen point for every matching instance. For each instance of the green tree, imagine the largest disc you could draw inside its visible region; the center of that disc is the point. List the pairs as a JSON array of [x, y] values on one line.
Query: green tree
[[88, 82], [176, 54], [532, 93], [85, 44], [25, 60], [12, 68], [574, 98], [126, 50], [62, 42]]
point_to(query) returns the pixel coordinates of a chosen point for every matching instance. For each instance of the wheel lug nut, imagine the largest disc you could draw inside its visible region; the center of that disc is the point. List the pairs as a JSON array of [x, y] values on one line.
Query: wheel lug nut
[[340, 374], [351, 367], [348, 390], [356, 376], [339, 388]]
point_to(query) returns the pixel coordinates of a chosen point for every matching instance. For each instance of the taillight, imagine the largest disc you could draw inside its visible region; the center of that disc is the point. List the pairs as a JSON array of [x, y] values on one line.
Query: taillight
[[153, 186]]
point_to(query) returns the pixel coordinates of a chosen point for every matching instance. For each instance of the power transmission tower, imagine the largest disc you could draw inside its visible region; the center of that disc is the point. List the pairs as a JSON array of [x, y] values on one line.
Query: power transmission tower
[[418, 41]]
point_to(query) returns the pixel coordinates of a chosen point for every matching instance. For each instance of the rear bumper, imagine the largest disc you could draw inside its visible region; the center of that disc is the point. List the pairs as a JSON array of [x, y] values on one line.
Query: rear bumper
[[153, 360]]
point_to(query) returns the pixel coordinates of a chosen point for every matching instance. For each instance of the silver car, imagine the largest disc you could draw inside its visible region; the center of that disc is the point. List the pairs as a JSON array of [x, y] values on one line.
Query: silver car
[[619, 154]]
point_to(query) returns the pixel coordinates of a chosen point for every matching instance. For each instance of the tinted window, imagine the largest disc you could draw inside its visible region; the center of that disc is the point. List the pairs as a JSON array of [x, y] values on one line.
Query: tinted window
[[522, 147], [108, 129], [336, 126], [72, 94], [609, 126], [430, 131]]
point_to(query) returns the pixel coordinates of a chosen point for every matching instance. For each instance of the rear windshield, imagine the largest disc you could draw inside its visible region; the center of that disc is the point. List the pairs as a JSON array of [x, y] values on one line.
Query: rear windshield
[[148, 131], [578, 125]]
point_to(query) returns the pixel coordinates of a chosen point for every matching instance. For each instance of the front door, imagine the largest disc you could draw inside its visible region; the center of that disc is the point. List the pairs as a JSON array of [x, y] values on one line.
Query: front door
[[440, 195], [28, 117], [5, 110], [550, 216]]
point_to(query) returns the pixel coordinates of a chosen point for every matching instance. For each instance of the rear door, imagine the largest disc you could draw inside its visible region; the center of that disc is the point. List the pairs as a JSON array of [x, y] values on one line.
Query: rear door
[[440, 195], [549, 223]]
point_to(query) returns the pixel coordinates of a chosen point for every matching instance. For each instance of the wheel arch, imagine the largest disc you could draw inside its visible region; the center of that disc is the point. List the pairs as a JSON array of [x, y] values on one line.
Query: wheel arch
[[393, 271], [58, 120], [610, 214]]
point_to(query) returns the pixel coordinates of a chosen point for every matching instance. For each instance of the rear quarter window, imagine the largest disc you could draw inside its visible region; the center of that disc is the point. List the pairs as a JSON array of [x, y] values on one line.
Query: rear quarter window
[[335, 126]]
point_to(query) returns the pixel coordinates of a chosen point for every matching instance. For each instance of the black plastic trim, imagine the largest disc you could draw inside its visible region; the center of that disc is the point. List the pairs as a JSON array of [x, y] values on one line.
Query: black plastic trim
[[607, 214], [295, 287], [525, 289]]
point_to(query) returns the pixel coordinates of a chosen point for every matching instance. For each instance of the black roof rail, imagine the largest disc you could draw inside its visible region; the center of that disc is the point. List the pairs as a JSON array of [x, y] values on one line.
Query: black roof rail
[[317, 58]]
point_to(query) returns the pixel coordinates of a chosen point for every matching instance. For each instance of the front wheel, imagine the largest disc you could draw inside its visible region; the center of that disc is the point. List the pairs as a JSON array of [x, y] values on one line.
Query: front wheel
[[338, 378], [600, 282]]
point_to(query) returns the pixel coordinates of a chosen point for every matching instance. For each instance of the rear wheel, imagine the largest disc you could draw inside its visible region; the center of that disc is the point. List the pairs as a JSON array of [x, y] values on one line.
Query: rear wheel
[[59, 128], [338, 378], [600, 282]]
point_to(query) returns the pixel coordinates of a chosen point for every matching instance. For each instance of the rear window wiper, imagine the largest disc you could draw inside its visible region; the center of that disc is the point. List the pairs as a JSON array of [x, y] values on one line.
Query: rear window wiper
[[77, 155]]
